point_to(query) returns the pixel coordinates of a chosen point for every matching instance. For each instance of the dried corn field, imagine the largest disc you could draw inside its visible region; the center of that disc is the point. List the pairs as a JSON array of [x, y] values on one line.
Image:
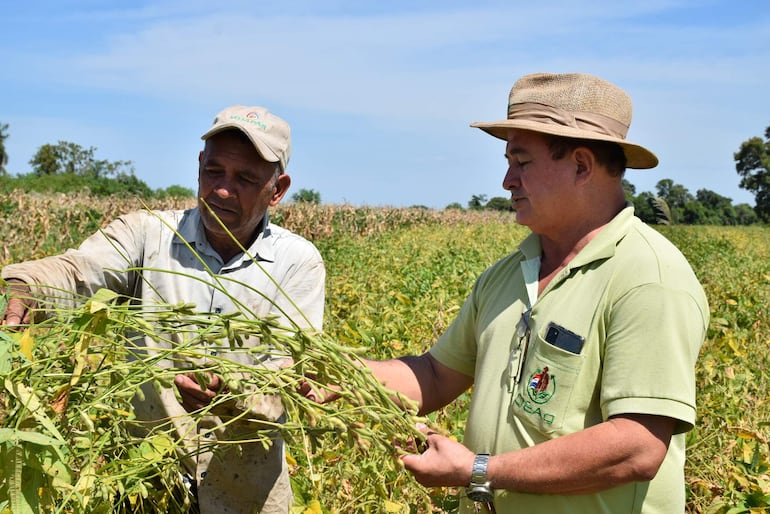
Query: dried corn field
[[35, 225]]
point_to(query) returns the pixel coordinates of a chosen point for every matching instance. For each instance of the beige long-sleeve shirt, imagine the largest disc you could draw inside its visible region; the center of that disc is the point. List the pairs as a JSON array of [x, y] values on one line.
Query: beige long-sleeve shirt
[[252, 479]]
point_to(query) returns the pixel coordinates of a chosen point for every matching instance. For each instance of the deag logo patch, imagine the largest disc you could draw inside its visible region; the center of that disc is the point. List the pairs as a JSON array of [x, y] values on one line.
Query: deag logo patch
[[541, 386]]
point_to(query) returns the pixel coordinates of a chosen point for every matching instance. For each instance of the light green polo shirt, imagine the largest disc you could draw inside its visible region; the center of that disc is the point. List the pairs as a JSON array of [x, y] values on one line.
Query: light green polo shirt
[[643, 315]]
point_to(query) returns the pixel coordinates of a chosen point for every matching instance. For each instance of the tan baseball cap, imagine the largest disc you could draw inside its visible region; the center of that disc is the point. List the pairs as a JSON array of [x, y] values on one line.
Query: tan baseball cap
[[574, 105], [269, 133]]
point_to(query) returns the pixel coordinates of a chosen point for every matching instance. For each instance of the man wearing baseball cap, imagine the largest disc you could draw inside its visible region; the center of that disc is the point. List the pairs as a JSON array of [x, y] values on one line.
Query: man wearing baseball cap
[[580, 346], [170, 257]]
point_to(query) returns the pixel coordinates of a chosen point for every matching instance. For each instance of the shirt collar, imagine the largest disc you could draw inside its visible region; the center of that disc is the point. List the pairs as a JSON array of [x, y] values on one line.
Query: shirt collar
[[262, 247], [600, 247], [191, 230], [603, 246]]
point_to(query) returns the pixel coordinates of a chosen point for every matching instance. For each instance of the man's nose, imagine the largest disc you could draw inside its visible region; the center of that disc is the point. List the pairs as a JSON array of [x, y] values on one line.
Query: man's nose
[[511, 178], [224, 188]]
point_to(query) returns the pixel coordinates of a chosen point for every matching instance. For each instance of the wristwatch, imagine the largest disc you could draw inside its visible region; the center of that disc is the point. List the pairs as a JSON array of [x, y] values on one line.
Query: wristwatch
[[479, 490]]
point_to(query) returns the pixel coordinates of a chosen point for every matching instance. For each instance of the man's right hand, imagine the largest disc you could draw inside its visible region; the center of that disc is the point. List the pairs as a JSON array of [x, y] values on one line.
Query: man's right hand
[[193, 397], [20, 304]]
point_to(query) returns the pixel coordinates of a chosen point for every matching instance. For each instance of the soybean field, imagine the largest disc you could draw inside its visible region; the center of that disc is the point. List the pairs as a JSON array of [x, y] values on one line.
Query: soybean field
[[395, 280]]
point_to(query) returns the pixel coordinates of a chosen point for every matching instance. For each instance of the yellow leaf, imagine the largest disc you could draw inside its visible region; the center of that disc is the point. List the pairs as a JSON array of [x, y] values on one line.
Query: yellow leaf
[[730, 301], [85, 485], [81, 357], [392, 506], [403, 299], [733, 344], [746, 434], [291, 461], [162, 443], [94, 307], [26, 344], [313, 507]]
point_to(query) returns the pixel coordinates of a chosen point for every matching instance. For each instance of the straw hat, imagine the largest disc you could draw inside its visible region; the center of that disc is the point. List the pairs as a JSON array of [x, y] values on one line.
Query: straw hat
[[573, 105]]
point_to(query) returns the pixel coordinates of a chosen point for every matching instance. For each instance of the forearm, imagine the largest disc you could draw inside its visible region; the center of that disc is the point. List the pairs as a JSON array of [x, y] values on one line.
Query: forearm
[[613, 453], [51, 280], [399, 376], [58, 281], [422, 379]]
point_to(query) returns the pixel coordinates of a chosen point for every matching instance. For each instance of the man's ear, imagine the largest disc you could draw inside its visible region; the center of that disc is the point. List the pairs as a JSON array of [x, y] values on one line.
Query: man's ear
[[200, 165], [585, 163], [282, 184]]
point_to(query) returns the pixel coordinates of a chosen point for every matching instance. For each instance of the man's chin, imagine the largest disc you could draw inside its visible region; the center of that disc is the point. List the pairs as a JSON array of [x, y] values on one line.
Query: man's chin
[[213, 213], [213, 223]]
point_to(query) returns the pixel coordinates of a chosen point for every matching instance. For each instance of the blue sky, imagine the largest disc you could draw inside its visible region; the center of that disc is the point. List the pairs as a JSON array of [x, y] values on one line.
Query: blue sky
[[379, 94]]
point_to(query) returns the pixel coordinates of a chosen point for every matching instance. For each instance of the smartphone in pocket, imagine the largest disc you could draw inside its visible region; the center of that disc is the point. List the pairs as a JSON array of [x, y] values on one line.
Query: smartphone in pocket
[[562, 338]]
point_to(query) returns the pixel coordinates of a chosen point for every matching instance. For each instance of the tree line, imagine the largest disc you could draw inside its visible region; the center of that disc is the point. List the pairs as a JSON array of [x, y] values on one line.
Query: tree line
[[66, 166], [673, 203]]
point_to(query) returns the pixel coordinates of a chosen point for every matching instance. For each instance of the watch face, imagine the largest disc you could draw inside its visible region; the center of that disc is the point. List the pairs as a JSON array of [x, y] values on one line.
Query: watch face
[[481, 494]]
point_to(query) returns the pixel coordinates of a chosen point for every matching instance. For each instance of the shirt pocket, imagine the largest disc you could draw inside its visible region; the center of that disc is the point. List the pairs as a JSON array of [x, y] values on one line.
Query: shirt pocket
[[543, 395]]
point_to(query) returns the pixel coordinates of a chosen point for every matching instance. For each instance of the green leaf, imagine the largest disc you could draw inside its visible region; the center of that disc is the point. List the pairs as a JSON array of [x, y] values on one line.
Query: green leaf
[[163, 444], [37, 438], [16, 489], [7, 434], [33, 481], [103, 296], [3, 303], [15, 436], [85, 485], [6, 346], [52, 464], [30, 400]]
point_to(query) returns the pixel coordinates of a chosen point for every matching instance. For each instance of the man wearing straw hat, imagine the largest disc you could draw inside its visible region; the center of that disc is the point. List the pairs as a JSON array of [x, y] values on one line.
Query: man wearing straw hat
[[580, 346], [176, 257]]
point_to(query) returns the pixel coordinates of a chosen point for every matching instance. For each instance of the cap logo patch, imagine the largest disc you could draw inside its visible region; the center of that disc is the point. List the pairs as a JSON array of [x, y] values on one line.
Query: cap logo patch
[[251, 120]]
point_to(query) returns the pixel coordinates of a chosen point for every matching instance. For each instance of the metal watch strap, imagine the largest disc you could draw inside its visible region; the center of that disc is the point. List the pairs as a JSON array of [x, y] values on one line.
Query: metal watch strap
[[479, 471], [478, 490]]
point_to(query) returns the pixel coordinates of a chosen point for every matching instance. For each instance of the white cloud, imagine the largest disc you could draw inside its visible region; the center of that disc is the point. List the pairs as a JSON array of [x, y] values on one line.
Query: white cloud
[[381, 65], [418, 71]]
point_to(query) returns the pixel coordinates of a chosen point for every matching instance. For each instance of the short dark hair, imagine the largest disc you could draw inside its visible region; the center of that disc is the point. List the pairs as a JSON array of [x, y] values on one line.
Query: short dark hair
[[607, 153], [234, 133], [244, 139]]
